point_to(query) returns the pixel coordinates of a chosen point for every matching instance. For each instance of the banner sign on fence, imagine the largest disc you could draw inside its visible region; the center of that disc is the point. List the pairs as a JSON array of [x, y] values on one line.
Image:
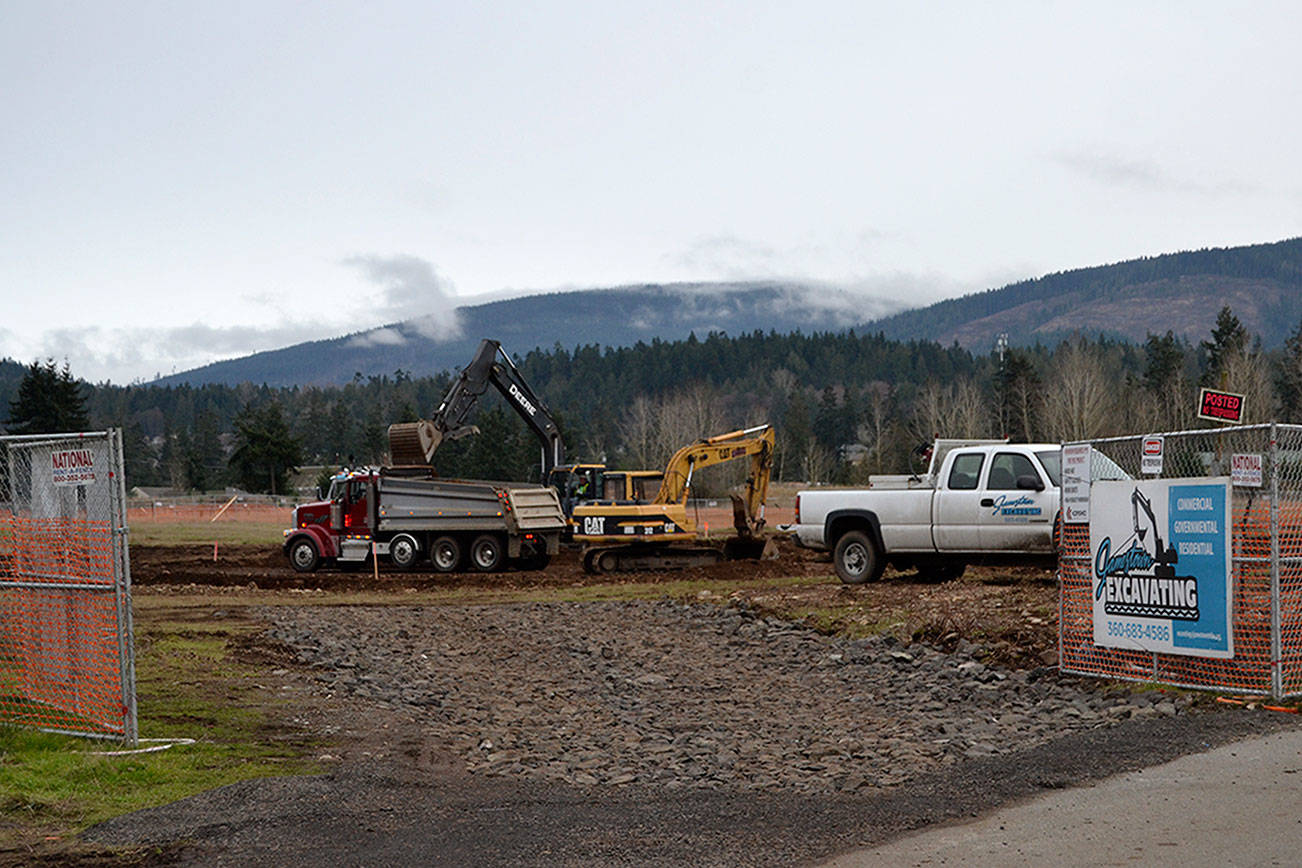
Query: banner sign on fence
[[1161, 565], [1150, 461], [1245, 470], [1220, 406], [1076, 483], [73, 466]]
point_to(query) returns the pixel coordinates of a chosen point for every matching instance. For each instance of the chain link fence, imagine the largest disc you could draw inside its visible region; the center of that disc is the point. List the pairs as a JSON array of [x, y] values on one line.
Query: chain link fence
[[66, 646], [1265, 540]]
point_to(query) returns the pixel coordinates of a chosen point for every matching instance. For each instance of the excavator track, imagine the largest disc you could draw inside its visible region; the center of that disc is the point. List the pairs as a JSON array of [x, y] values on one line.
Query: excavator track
[[620, 559]]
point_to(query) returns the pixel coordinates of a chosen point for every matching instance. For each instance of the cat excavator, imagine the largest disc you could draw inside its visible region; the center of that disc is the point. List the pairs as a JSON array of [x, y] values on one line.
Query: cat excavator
[[621, 530]]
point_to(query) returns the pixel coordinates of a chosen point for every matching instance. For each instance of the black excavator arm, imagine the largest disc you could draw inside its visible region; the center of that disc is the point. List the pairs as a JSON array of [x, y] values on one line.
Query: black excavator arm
[[416, 442]]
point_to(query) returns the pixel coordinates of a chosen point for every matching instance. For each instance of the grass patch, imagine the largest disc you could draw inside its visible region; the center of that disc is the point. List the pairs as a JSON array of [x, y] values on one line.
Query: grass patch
[[149, 533], [190, 683]]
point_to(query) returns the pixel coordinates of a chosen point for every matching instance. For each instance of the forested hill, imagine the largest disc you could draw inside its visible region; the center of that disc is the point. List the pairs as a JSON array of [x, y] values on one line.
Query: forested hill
[[1179, 292], [604, 317]]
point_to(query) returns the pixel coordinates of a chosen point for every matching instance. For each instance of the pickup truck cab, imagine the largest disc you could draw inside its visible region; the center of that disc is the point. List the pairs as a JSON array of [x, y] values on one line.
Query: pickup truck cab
[[985, 501]]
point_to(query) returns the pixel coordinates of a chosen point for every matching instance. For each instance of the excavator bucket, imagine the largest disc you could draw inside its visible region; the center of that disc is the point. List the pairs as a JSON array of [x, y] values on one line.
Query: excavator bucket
[[750, 549], [413, 442]]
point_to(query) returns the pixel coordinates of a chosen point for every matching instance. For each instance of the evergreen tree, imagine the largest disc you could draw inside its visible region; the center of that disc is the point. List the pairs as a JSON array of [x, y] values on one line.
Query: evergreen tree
[[1019, 395], [1289, 377], [265, 450], [1229, 338], [49, 401], [140, 463], [1164, 381]]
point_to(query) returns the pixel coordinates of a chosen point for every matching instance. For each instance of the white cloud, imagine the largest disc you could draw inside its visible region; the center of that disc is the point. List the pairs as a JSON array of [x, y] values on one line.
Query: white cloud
[[1145, 176], [382, 337], [124, 355], [413, 290]]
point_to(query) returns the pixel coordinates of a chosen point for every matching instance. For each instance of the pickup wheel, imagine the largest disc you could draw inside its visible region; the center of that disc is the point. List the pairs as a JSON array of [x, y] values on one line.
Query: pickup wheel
[[404, 552], [445, 554], [857, 559], [303, 556], [486, 553]]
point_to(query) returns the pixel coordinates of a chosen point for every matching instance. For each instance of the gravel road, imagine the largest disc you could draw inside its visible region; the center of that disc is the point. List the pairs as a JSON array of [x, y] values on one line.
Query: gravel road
[[657, 733], [692, 695]]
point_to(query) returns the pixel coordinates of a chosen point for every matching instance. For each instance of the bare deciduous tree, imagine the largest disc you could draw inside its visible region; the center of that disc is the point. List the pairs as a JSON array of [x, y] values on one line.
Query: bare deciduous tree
[[1078, 401], [1247, 372], [954, 409]]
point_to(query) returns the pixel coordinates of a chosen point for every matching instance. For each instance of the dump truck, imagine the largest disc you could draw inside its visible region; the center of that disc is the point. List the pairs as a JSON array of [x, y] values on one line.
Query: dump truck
[[408, 516]]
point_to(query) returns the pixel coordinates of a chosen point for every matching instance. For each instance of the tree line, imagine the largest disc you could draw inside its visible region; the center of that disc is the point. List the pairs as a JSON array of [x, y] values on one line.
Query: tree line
[[844, 405]]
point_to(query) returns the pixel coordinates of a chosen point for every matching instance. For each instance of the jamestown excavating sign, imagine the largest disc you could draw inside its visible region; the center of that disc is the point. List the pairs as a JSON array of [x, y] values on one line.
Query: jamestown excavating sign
[[1161, 565]]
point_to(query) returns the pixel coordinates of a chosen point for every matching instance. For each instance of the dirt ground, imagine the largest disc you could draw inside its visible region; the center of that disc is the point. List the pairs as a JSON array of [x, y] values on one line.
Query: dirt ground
[[385, 781], [1011, 610]]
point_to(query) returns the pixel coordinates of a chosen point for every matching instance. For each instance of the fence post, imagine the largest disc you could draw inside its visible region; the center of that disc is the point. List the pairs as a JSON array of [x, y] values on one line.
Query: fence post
[[122, 562], [1276, 641]]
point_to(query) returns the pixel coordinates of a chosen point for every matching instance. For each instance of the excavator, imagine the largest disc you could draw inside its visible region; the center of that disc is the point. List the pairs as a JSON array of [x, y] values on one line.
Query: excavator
[[412, 443], [415, 443], [624, 530]]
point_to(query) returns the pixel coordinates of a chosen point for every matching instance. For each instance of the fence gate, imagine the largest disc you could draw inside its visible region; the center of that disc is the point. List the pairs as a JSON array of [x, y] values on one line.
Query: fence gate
[[1265, 549], [66, 646]]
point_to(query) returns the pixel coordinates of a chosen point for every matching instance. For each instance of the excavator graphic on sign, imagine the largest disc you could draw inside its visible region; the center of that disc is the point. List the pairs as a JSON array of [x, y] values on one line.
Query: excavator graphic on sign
[[1162, 594]]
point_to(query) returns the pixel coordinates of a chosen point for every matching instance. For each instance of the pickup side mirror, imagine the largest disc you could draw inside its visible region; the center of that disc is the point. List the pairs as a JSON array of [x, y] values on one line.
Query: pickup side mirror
[[1030, 482]]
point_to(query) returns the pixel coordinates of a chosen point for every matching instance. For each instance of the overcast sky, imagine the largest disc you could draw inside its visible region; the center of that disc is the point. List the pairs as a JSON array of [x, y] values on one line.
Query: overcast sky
[[181, 182]]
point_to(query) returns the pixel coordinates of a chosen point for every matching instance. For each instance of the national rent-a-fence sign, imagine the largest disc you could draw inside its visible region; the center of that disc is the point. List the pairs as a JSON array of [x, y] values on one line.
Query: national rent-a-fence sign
[[72, 466]]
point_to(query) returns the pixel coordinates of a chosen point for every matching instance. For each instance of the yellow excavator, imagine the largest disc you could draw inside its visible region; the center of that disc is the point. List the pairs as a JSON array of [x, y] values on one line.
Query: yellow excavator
[[624, 530]]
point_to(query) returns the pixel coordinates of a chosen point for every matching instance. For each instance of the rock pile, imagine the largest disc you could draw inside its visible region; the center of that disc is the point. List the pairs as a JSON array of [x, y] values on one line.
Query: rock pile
[[687, 695]]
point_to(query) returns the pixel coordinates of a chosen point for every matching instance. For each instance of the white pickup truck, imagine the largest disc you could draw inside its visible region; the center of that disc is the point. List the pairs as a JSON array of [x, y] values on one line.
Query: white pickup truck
[[984, 502]]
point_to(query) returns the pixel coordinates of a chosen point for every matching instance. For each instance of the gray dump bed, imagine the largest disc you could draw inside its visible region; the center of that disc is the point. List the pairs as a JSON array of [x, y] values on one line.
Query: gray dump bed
[[420, 504]]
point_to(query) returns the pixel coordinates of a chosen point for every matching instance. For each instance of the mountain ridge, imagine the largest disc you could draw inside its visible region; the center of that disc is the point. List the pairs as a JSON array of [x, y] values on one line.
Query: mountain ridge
[[1179, 292]]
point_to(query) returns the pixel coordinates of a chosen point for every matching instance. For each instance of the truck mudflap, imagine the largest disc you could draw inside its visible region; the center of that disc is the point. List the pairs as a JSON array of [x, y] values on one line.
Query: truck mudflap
[[536, 509]]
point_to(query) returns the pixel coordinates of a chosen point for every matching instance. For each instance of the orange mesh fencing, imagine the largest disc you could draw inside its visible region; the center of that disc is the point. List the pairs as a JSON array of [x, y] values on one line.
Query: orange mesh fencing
[[189, 513], [65, 637], [1266, 569]]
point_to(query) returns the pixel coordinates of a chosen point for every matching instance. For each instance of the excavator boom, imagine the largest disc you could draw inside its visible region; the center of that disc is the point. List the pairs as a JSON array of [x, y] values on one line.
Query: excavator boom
[[416, 442], [757, 443]]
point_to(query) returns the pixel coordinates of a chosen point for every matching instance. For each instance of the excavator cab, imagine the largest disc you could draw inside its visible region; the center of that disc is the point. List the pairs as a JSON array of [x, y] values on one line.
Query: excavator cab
[[577, 483], [631, 486]]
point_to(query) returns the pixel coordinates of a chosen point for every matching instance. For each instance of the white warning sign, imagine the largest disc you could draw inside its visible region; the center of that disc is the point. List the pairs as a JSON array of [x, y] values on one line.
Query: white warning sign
[[73, 466]]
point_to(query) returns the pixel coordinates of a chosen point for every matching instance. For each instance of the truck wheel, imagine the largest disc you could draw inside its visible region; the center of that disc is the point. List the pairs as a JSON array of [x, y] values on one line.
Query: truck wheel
[[857, 559], [445, 554], [404, 551], [303, 556], [486, 553]]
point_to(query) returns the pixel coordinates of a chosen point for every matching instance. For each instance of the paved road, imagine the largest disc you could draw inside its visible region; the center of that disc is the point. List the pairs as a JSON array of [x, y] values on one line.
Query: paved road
[[1240, 804]]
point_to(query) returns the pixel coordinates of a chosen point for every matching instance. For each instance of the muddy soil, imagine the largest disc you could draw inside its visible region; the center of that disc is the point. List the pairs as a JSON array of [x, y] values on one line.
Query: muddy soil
[[1011, 611], [405, 791], [267, 568]]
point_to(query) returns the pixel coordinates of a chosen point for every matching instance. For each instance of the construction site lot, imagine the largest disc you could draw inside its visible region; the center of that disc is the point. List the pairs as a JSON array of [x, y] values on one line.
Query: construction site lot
[[751, 712]]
